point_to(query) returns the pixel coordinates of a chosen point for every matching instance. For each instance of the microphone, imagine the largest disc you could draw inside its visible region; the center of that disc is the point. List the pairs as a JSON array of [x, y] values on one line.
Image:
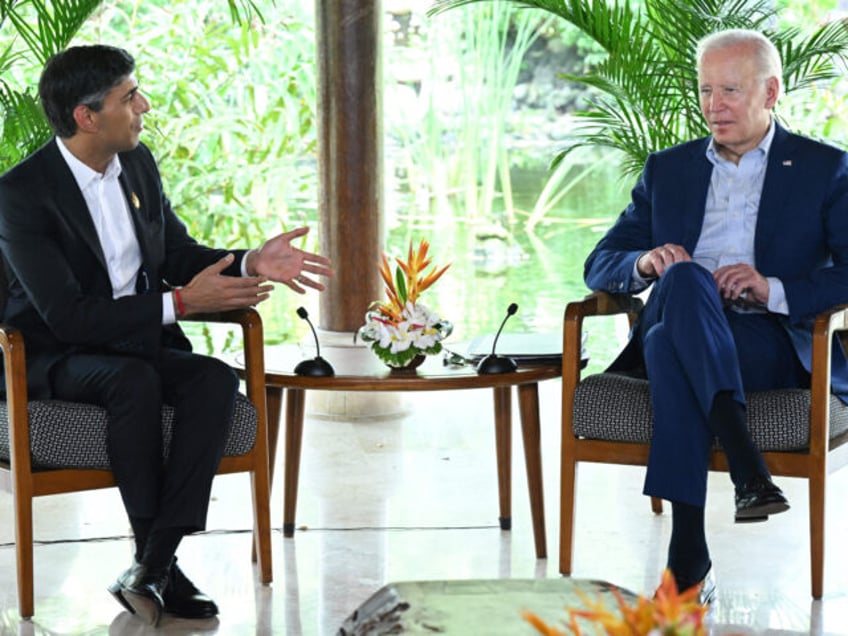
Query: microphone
[[498, 364], [318, 366]]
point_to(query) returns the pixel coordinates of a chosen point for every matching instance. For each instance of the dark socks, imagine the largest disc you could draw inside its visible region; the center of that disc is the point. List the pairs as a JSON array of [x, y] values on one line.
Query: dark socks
[[688, 554], [141, 530], [161, 547], [728, 423]]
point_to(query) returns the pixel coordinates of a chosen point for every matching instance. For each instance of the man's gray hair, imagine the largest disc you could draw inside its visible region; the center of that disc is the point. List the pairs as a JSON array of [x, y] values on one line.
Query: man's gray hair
[[767, 57]]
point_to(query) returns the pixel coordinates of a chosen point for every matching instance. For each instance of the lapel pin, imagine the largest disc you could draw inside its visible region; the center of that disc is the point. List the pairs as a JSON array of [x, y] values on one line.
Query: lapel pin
[[136, 203], [788, 163]]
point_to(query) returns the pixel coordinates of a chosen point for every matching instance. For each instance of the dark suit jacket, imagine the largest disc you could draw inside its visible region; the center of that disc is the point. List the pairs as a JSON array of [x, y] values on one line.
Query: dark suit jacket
[[58, 291], [801, 235]]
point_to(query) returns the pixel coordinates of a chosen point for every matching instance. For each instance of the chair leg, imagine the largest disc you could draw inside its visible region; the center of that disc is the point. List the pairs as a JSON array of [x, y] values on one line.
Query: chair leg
[[568, 478], [261, 490], [817, 497], [23, 552]]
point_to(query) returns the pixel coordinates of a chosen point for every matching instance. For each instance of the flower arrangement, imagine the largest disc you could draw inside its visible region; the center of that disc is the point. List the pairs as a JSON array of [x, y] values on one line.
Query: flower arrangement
[[402, 328], [669, 613]]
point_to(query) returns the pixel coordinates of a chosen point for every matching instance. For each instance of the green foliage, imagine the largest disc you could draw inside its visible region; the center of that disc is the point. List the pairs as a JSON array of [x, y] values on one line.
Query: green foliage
[[456, 145], [30, 32], [232, 119], [645, 89]]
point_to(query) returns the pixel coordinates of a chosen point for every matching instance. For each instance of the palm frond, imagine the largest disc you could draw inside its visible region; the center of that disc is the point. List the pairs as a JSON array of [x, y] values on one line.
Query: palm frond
[[24, 127], [644, 92]]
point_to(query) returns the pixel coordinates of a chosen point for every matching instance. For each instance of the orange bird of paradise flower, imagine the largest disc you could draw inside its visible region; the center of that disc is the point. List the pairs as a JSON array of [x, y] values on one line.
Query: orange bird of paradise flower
[[408, 282]]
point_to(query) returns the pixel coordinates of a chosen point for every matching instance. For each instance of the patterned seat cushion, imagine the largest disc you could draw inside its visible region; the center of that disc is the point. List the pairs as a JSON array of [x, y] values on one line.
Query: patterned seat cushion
[[73, 435], [614, 407]]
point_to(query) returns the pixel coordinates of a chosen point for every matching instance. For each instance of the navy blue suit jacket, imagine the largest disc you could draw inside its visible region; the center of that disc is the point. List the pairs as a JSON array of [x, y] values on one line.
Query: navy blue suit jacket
[[58, 291], [801, 234]]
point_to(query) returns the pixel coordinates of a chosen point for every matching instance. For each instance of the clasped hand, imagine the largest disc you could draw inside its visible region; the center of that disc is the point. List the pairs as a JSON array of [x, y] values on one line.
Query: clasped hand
[[737, 284]]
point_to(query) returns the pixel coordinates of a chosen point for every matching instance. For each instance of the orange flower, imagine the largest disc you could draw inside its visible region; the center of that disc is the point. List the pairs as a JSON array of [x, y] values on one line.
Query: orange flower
[[670, 613], [408, 282]]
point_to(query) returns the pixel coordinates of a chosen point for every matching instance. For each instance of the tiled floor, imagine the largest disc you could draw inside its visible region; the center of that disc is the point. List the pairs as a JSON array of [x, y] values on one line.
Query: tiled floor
[[414, 497]]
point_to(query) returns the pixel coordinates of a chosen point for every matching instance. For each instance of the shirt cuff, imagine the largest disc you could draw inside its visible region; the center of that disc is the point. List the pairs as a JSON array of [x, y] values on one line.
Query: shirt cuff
[[777, 303], [244, 262], [169, 316], [637, 281]]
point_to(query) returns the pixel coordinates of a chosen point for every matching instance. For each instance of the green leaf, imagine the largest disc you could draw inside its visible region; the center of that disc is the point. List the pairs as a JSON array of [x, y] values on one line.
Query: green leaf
[[400, 284]]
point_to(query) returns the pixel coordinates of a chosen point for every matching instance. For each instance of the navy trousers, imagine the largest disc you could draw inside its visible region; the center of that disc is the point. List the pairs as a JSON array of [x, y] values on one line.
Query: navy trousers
[[693, 347]]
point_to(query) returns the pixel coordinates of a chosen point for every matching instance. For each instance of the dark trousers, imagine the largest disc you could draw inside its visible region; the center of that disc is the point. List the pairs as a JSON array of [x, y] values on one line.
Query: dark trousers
[[693, 348], [173, 493]]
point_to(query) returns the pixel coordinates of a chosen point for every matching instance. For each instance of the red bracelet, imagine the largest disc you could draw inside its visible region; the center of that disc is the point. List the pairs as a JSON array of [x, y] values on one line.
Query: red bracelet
[[180, 307]]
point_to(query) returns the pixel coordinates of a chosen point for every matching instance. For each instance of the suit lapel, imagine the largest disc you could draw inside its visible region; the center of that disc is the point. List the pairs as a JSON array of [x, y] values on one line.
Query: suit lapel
[[67, 194], [775, 189], [137, 206], [696, 195]]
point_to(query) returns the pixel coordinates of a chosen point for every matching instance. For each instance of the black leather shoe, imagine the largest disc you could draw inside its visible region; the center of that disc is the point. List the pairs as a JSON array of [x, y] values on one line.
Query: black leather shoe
[[140, 591], [758, 499], [183, 599]]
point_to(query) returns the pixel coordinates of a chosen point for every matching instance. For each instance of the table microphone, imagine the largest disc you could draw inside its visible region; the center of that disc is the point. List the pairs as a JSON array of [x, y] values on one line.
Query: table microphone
[[498, 364], [318, 366]]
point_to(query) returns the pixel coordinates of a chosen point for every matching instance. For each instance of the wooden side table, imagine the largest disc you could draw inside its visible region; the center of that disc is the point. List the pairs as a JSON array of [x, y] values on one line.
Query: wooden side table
[[358, 369]]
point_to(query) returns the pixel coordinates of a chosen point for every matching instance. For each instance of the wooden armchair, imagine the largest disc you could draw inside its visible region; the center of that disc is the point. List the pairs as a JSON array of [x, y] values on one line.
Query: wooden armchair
[[607, 418], [49, 447]]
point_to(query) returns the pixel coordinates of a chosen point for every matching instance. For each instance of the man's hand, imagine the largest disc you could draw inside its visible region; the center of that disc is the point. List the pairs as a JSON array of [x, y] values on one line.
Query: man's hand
[[653, 264], [741, 283], [210, 291], [278, 261]]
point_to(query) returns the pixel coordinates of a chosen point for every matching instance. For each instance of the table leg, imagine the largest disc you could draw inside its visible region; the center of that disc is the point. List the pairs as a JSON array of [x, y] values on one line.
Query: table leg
[[503, 448], [528, 403], [274, 402], [295, 399]]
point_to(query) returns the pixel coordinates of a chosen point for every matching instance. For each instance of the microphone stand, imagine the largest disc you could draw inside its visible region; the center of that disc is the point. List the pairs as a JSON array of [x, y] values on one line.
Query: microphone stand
[[492, 363], [318, 366]]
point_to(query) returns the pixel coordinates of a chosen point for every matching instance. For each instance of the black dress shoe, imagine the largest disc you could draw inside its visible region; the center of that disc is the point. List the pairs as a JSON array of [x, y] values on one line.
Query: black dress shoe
[[183, 599], [140, 591], [758, 499]]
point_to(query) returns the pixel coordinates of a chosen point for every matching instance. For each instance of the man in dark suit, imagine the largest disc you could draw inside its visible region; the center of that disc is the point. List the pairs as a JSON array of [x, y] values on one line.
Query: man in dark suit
[[744, 237], [99, 271]]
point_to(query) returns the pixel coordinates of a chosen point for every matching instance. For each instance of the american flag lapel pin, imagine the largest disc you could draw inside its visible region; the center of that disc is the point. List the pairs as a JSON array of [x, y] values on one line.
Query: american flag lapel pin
[[137, 204], [787, 163]]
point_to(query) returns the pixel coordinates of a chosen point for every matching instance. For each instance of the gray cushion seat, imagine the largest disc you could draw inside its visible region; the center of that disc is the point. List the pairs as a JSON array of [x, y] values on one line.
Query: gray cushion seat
[[613, 407], [73, 435]]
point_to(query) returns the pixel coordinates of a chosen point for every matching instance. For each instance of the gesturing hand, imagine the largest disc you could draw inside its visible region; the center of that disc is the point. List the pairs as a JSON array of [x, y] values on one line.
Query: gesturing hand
[[210, 291], [279, 261]]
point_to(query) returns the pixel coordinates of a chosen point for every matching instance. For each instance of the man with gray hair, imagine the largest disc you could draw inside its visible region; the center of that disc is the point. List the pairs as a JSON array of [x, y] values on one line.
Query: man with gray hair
[[743, 237]]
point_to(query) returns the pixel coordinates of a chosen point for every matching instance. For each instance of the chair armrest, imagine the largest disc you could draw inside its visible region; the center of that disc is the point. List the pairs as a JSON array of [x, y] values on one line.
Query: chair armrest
[[828, 323], [14, 364], [595, 304], [254, 355]]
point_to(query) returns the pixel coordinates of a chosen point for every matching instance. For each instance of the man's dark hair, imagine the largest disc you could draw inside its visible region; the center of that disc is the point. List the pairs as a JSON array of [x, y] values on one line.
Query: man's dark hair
[[80, 75]]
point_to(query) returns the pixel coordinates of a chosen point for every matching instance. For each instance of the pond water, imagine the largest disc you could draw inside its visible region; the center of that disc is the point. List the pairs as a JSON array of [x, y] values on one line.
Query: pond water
[[494, 262]]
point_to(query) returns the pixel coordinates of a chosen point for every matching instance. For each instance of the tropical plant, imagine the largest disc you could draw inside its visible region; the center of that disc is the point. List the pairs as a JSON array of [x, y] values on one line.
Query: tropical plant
[[458, 145], [30, 32], [645, 89]]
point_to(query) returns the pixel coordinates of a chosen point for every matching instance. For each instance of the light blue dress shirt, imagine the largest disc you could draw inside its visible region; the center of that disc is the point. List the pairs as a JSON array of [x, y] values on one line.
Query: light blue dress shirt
[[730, 217]]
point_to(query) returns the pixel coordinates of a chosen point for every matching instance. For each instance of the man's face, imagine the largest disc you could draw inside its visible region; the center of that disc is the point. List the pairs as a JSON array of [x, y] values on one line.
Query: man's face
[[119, 122], [735, 100]]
